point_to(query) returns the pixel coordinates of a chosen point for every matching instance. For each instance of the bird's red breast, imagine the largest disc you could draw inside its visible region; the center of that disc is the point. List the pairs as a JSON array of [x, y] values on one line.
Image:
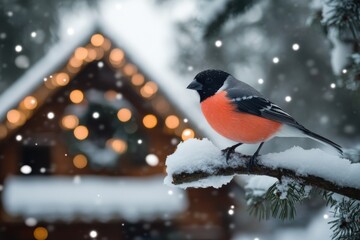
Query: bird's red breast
[[222, 115]]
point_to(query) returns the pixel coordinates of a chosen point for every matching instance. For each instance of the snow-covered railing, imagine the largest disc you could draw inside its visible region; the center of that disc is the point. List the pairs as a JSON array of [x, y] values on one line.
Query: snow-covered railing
[[198, 163], [88, 198]]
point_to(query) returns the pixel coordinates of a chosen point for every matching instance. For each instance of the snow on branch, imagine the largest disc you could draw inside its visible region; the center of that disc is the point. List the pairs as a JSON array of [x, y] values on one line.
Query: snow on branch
[[198, 163]]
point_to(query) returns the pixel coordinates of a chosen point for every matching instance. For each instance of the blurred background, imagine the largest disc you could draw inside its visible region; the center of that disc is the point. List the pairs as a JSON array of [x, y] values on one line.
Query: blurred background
[[93, 98]]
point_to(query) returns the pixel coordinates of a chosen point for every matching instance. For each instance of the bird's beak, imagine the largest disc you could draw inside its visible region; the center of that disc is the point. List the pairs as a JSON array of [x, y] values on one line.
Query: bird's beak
[[195, 85]]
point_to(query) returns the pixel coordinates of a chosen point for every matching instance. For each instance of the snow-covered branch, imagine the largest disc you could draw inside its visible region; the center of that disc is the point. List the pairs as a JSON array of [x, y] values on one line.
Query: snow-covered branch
[[198, 163]]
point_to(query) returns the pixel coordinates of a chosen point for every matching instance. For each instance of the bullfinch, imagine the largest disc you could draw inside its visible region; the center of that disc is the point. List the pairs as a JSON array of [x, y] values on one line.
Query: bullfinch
[[240, 113]]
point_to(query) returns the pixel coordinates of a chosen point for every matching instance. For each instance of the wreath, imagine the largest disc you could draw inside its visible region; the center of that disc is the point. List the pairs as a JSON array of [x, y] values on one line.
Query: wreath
[[109, 139]]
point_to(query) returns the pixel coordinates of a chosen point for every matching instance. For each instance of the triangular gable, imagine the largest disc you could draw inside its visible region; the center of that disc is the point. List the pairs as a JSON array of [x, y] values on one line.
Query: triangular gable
[[35, 90]]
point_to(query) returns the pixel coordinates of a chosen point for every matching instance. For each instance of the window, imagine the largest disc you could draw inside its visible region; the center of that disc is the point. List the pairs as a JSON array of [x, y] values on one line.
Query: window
[[37, 158]]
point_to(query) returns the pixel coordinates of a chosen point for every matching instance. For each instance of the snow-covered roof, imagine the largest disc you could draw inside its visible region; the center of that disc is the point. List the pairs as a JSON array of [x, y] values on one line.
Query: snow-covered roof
[[92, 198], [145, 32]]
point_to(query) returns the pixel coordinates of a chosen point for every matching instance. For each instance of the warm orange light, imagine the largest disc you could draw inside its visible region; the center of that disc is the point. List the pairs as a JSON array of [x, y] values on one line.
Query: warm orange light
[[81, 132], [16, 118], [137, 79], [62, 79], [97, 40], [144, 93], [187, 134], [3, 131], [130, 69], [91, 55], [13, 116], [80, 161], [110, 95], [106, 45], [50, 84], [117, 145], [40, 233], [99, 53], [172, 121], [116, 56], [81, 53], [30, 102], [76, 96], [75, 62], [71, 69], [124, 115], [69, 121], [148, 89], [149, 121]]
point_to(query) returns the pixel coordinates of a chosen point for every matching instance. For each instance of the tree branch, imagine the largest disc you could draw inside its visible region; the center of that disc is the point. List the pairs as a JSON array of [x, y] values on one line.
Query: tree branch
[[262, 169]]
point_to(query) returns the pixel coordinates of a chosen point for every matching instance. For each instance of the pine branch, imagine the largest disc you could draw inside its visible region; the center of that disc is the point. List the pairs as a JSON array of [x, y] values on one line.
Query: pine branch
[[262, 169]]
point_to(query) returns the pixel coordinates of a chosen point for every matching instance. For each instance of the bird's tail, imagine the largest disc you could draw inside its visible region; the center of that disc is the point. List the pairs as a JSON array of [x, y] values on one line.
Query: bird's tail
[[323, 140]]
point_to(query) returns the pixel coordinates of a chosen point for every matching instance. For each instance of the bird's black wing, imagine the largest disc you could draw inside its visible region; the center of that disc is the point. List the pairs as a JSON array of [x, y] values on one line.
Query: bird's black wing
[[259, 106], [250, 103]]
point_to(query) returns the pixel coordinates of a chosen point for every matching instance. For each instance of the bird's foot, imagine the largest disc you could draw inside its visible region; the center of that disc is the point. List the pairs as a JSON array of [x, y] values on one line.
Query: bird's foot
[[253, 159], [228, 151], [252, 163]]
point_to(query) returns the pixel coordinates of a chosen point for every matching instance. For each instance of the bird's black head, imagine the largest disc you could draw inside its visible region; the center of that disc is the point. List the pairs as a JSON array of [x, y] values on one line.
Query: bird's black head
[[208, 82]]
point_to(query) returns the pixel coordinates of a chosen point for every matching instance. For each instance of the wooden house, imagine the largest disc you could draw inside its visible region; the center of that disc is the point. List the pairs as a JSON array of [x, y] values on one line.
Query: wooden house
[[83, 141]]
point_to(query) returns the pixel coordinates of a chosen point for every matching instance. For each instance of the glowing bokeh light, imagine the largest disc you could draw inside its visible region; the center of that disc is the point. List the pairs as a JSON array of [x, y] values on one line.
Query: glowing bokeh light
[[137, 79], [62, 79], [18, 137], [50, 115], [81, 132], [69, 121], [75, 62], [97, 40], [96, 115], [91, 56], [25, 169], [150, 121], [76, 96], [93, 234], [130, 69], [30, 102], [106, 45], [117, 145], [187, 134], [172, 121], [148, 89], [218, 43], [40, 233], [30, 222], [110, 95], [18, 48], [81, 53], [124, 114], [116, 56], [13, 116], [80, 161], [152, 160]]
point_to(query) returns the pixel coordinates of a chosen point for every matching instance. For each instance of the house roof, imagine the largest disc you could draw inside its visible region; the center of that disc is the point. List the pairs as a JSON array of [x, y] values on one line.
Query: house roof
[[148, 40], [92, 197]]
